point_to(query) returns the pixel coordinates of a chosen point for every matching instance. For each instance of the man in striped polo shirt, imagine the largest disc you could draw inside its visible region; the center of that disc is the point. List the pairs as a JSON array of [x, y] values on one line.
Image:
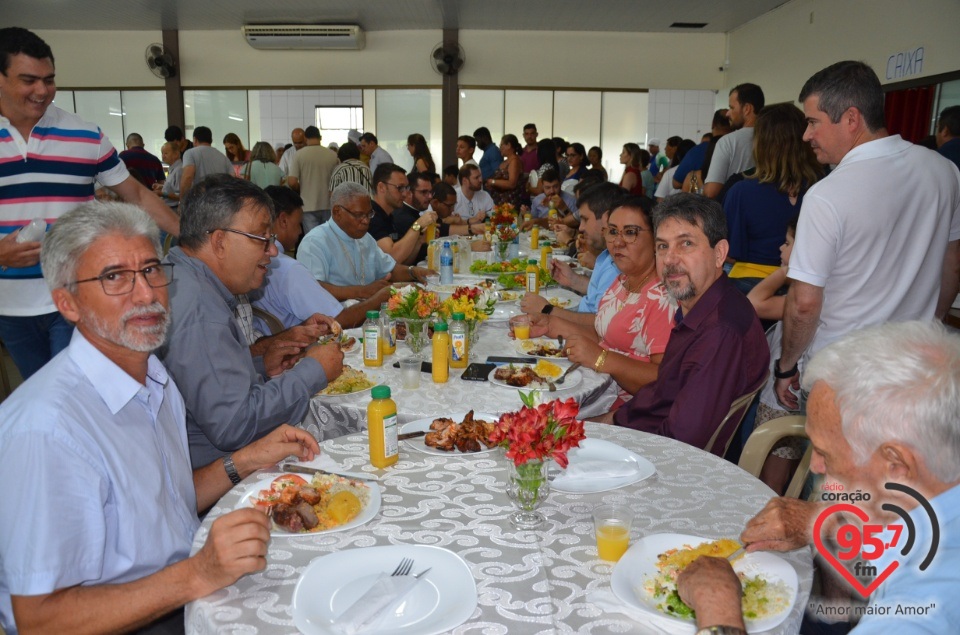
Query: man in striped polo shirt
[[50, 161]]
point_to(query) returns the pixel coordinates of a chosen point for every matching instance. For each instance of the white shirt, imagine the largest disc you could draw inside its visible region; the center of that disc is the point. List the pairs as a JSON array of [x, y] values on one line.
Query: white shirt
[[467, 208], [874, 247]]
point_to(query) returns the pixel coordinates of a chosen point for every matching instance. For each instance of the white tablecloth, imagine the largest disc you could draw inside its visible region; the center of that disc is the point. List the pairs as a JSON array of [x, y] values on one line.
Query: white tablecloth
[[527, 581], [332, 416]]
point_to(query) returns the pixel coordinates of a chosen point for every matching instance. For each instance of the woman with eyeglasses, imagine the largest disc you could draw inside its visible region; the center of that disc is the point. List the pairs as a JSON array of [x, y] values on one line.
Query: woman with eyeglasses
[[628, 335], [507, 184], [422, 159], [575, 155]]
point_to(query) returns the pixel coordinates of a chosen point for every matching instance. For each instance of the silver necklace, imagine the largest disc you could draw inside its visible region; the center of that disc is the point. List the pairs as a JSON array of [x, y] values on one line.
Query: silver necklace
[[361, 276]]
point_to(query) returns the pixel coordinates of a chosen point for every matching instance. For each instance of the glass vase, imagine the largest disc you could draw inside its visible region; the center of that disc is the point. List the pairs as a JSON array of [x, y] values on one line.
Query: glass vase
[[502, 249], [528, 488], [473, 327], [417, 334]]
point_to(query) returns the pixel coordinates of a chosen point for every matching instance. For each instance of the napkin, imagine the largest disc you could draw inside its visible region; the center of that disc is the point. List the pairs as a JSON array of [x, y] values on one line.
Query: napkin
[[600, 469], [648, 624], [365, 613], [322, 461]]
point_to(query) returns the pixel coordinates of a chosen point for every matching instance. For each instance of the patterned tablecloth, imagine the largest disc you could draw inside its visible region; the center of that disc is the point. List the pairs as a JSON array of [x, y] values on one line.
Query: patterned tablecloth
[[332, 416], [527, 581]]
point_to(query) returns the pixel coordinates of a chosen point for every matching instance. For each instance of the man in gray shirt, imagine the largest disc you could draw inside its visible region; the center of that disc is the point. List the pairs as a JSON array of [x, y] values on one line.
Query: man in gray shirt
[[232, 398], [202, 160], [734, 152]]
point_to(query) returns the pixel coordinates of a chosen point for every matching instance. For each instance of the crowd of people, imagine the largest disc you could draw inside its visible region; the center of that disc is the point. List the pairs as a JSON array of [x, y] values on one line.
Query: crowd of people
[[779, 217]]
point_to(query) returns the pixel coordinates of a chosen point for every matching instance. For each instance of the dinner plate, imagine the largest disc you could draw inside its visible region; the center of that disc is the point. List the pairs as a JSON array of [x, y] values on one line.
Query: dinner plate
[[572, 380], [639, 564], [594, 452], [424, 424], [443, 599], [366, 514], [555, 300], [374, 377], [524, 347], [503, 311]]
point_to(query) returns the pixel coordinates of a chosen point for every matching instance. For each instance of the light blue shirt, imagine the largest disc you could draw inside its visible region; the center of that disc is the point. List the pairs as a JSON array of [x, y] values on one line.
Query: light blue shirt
[[605, 271], [291, 294], [908, 586], [325, 251], [100, 485], [490, 161], [539, 210]]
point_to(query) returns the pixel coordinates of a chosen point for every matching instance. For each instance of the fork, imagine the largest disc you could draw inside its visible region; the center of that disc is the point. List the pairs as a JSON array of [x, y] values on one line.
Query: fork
[[403, 568], [552, 386]]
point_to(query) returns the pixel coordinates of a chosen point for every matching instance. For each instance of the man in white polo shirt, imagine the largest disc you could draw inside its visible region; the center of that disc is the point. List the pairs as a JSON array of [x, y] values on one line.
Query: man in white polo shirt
[[867, 250]]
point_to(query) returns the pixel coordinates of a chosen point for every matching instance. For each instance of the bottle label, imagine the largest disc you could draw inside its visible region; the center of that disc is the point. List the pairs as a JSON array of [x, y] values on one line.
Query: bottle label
[[459, 341], [371, 343], [393, 333], [391, 445], [532, 283]]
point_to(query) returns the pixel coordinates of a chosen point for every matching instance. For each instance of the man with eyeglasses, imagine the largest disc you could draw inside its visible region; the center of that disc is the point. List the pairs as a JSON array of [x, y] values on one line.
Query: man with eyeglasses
[[101, 536], [233, 397], [342, 255], [397, 234]]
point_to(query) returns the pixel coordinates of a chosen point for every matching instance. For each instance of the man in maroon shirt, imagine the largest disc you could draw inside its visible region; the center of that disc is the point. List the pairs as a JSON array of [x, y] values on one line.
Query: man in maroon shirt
[[717, 350], [141, 163]]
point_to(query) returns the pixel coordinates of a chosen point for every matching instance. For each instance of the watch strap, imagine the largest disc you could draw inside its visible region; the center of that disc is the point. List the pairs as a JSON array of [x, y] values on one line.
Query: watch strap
[[721, 630], [547, 308], [784, 374], [231, 469]]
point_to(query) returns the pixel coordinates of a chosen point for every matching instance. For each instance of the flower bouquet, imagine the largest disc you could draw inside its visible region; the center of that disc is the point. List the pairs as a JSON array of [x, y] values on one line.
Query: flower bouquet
[[503, 214], [476, 305], [536, 433], [415, 307]]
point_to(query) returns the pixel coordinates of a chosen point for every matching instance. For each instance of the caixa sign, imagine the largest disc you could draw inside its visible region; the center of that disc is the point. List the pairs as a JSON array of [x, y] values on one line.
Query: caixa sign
[[905, 64]]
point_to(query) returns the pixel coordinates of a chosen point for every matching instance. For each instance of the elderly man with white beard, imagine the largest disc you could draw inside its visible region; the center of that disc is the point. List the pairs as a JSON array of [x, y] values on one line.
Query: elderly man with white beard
[[97, 537]]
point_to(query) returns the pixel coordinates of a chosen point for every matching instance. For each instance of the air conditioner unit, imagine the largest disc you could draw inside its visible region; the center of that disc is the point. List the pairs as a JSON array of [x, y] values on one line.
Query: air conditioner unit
[[304, 36]]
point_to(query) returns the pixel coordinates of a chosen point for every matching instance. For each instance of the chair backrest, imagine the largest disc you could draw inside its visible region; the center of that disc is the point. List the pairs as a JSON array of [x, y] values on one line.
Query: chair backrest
[[733, 419], [168, 243], [273, 322], [766, 436]]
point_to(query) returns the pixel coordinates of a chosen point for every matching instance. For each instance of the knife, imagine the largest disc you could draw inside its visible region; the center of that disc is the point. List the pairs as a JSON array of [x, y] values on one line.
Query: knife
[[411, 435], [736, 554], [299, 469]]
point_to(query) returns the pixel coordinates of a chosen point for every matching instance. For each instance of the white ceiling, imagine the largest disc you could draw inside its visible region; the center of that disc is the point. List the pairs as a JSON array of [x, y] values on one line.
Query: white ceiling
[[385, 15]]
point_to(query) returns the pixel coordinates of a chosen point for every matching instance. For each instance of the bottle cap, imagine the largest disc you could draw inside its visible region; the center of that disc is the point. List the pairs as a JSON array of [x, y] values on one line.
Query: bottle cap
[[446, 243], [380, 392], [544, 243], [459, 316], [440, 326], [373, 315], [531, 262]]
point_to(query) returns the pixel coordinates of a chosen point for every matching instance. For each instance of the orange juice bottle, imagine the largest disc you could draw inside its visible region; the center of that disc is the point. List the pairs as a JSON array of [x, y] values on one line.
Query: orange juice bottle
[[459, 342], [546, 255], [432, 249], [534, 236], [533, 276], [441, 353], [431, 232], [372, 340], [382, 428]]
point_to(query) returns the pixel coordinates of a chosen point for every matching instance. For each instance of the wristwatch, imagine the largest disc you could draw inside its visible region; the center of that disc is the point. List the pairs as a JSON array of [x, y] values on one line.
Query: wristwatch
[[416, 227], [721, 630], [231, 469], [547, 308], [783, 374]]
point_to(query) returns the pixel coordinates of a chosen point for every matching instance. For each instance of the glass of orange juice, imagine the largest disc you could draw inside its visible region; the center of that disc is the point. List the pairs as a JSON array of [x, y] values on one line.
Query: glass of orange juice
[[521, 327], [612, 526]]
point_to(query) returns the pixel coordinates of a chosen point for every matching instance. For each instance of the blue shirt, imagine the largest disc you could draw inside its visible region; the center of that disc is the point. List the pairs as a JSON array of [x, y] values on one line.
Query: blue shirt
[[324, 251], [908, 586], [757, 217], [291, 294], [539, 210], [106, 492], [692, 161], [605, 271], [951, 150], [490, 161]]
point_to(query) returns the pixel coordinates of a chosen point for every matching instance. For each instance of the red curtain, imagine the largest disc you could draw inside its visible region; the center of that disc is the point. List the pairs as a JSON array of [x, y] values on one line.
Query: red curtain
[[908, 112]]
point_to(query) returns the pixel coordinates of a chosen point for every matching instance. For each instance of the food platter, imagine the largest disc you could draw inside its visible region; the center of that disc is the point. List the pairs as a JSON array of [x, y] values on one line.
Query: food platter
[[546, 347], [351, 379], [421, 425], [572, 380]]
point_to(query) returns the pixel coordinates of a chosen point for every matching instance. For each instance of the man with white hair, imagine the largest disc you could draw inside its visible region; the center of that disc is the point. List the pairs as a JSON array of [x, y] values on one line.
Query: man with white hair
[[883, 411], [98, 537]]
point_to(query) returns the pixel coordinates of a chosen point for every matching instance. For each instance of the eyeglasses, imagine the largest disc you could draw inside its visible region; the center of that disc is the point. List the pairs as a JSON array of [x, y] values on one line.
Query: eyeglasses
[[629, 233], [122, 281], [400, 188], [571, 155], [360, 216], [266, 240]]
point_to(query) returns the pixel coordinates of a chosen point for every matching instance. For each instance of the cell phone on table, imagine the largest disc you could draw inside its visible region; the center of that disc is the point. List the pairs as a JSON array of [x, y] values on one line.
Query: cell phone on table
[[477, 371], [425, 367], [497, 360]]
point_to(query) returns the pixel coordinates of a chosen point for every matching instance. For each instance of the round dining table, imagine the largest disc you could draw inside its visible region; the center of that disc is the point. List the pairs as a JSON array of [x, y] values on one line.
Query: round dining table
[[528, 581], [331, 416]]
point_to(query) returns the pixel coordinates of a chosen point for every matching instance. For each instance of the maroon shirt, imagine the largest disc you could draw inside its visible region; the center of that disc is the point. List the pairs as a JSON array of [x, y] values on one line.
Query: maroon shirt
[[529, 161], [147, 166], [715, 354]]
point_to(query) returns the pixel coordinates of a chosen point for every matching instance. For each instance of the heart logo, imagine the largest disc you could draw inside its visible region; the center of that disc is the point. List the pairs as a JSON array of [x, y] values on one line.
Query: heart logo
[[849, 577]]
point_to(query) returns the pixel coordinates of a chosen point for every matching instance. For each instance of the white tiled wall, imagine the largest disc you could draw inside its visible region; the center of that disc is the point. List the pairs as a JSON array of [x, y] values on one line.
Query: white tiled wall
[[686, 113], [283, 110]]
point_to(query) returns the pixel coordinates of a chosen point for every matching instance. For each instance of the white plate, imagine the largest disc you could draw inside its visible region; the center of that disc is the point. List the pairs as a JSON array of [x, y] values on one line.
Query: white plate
[[555, 300], [443, 599], [502, 312], [572, 380], [424, 424], [366, 514], [639, 564], [600, 450], [523, 346], [374, 377]]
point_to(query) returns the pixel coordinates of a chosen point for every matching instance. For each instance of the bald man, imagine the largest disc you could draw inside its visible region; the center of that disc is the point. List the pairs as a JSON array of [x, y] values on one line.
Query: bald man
[[299, 140]]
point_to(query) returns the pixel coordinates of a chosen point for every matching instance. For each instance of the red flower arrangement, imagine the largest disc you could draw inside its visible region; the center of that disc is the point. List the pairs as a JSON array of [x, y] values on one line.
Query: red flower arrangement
[[535, 433], [504, 214]]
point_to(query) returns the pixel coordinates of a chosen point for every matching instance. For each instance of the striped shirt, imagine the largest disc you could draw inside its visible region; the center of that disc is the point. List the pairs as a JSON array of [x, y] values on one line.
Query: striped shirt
[[353, 171], [46, 176]]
